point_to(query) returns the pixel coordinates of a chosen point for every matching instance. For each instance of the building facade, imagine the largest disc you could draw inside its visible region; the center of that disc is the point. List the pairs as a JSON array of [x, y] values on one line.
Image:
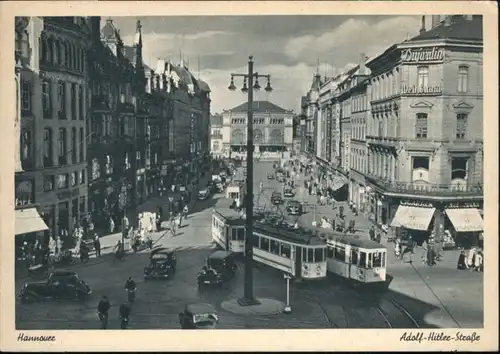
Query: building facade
[[216, 141], [424, 133], [272, 127], [53, 120]]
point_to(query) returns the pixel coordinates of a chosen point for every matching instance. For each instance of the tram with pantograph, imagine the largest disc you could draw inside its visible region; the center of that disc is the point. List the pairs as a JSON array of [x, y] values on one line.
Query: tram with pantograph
[[296, 251], [228, 227], [356, 258]]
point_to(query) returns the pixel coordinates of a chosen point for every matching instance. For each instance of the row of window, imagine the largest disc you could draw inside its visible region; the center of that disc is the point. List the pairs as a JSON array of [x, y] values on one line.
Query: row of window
[[283, 249], [238, 234], [358, 160], [76, 102], [357, 257], [76, 150], [359, 103], [63, 53], [277, 121], [382, 165], [63, 180], [114, 92], [238, 121]]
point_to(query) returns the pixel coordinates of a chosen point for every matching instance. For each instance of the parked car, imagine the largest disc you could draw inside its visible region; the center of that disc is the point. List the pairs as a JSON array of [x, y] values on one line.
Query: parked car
[[198, 316], [288, 192], [276, 198], [162, 264], [221, 267], [60, 284], [204, 193], [294, 207], [270, 175]]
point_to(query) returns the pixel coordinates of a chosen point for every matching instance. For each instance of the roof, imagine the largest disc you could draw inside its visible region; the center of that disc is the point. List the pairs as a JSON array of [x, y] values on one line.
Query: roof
[[230, 215], [259, 107], [460, 28], [203, 86], [356, 241], [216, 119], [316, 83], [109, 31], [129, 53], [304, 236], [200, 308], [184, 74], [220, 254], [162, 250]]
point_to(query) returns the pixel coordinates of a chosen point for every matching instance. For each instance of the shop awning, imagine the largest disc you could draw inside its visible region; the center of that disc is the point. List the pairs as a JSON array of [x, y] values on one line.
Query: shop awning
[[466, 220], [414, 218], [28, 220]]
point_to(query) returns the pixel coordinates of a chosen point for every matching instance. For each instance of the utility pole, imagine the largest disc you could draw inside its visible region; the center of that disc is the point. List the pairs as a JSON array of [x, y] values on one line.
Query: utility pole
[[248, 298]]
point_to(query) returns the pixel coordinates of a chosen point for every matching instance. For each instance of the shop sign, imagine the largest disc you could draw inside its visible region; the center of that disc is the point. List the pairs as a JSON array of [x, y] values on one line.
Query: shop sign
[[422, 55], [422, 90]]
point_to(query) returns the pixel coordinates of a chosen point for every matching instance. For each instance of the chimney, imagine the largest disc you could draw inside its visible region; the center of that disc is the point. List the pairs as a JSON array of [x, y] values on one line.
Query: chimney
[[447, 20], [422, 28], [436, 20], [362, 68], [469, 17]]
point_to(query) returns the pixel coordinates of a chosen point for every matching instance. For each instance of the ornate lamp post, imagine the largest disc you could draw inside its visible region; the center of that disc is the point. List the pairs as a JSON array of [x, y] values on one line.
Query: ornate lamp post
[[248, 297]]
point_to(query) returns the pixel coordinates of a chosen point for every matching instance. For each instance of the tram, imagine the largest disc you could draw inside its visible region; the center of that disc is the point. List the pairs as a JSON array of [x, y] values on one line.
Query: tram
[[355, 258], [297, 252], [228, 228]]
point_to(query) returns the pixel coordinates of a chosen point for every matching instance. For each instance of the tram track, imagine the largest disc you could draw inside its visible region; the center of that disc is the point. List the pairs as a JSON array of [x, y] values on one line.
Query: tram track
[[395, 315]]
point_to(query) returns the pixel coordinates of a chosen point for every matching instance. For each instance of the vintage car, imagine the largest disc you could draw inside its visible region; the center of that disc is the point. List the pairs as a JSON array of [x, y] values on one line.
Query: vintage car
[[198, 316], [294, 207], [270, 175], [204, 194], [276, 198], [288, 192], [220, 267], [60, 284], [162, 264]]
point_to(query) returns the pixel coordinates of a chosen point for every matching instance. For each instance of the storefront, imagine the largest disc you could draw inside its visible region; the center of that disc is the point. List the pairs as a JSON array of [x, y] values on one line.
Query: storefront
[[465, 225]]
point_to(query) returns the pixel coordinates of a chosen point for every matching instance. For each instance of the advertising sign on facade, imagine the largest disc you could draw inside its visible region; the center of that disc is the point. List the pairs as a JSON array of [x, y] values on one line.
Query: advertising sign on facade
[[420, 90], [422, 55]]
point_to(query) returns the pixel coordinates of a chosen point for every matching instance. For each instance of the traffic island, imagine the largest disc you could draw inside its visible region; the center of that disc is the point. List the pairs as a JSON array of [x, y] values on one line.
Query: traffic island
[[262, 306]]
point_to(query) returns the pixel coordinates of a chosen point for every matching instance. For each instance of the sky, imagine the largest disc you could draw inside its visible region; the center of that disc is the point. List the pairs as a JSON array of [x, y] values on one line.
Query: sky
[[286, 47]]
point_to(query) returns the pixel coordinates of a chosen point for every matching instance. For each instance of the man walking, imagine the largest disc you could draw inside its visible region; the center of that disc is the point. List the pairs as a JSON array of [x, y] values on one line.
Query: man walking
[[97, 245]]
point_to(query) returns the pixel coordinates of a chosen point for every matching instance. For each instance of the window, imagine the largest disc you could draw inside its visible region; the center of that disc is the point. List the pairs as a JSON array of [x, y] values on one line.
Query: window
[[109, 165], [61, 100], [81, 104], [82, 145], [234, 235], [241, 234], [463, 76], [275, 247], [264, 244], [82, 205], [26, 149], [81, 177], [62, 181], [422, 76], [421, 126], [339, 254], [96, 169], [48, 183], [362, 259], [26, 97], [378, 259], [74, 178], [73, 101], [47, 148], [461, 125], [285, 250], [318, 255], [73, 145], [62, 146], [46, 100], [354, 257]]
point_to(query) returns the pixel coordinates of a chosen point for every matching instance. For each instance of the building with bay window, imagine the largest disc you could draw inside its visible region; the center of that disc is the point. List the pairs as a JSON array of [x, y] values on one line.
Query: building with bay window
[[424, 131], [53, 125]]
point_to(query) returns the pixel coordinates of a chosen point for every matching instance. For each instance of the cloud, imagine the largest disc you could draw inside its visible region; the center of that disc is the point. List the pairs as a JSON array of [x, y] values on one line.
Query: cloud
[[352, 37]]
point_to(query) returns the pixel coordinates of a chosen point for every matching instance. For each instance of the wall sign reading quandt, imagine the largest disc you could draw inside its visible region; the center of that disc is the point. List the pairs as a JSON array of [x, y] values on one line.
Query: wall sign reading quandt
[[422, 55], [420, 90]]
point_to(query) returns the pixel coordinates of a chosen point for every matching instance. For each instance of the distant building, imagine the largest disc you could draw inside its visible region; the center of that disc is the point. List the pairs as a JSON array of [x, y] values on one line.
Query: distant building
[[272, 126], [425, 136], [216, 141]]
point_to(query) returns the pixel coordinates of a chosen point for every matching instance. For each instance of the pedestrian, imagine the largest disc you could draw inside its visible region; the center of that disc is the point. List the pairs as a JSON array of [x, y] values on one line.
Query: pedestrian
[[59, 244], [461, 261], [379, 237], [97, 245], [111, 225]]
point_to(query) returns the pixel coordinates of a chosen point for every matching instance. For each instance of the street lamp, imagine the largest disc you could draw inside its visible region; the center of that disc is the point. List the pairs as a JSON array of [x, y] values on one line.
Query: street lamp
[[248, 87], [287, 308]]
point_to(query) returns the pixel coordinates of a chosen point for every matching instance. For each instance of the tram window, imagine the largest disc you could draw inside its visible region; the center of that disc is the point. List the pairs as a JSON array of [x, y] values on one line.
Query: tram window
[[354, 257], [233, 234], [275, 247], [318, 255], [329, 252], [241, 234], [362, 259], [340, 253], [310, 255], [377, 259], [369, 261], [285, 250], [264, 244]]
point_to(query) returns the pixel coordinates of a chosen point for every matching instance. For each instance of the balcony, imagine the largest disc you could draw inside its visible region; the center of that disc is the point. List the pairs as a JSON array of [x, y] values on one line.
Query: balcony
[[432, 191], [100, 103]]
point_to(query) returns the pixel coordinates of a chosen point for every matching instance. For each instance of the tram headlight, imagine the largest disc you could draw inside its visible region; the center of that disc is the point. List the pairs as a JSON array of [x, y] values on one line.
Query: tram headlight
[[318, 268], [305, 267]]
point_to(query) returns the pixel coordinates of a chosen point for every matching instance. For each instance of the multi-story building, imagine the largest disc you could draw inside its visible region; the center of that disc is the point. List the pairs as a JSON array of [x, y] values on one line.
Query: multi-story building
[[28, 110], [53, 120], [112, 123], [424, 133], [272, 128], [189, 130], [216, 141], [310, 105]]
